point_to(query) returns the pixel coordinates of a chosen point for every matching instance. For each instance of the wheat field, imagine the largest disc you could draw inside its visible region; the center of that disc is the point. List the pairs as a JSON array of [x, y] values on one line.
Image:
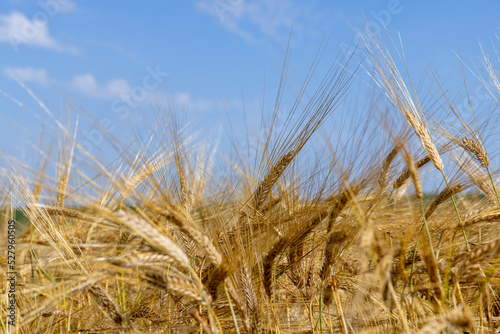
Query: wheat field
[[393, 230]]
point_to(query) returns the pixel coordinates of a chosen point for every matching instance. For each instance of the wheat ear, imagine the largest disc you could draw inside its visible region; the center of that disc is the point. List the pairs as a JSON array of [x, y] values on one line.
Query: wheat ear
[[476, 150], [466, 267], [270, 179], [248, 288], [341, 202], [415, 175], [478, 176], [151, 234], [334, 238], [140, 258], [182, 286], [107, 304], [199, 238], [387, 164], [446, 193], [278, 247], [406, 174], [425, 139], [217, 276], [137, 179], [491, 215]]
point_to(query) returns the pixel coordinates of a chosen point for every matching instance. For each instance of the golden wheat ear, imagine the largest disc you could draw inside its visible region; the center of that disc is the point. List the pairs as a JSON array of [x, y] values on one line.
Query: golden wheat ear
[[488, 216], [466, 267], [201, 240], [387, 164], [446, 193], [279, 246], [388, 78], [270, 179], [458, 319], [108, 305], [408, 172], [334, 239], [152, 235], [476, 150], [180, 285]]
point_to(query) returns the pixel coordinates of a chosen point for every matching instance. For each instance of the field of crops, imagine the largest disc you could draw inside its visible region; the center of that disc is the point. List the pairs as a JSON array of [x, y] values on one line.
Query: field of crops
[[391, 231]]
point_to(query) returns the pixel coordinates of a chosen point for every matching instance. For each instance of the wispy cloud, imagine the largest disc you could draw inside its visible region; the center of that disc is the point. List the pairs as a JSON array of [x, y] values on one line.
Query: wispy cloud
[[28, 74], [270, 17], [66, 6], [87, 85], [16, 29], [84, 84]]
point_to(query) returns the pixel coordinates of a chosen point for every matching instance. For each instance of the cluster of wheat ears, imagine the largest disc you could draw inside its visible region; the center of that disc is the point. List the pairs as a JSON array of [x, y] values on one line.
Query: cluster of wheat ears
[[344, 241]]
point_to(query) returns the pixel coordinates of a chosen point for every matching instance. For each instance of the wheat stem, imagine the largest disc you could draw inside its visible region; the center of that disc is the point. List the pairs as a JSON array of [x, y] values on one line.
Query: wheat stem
[[232, 310], [493, 184], [427, 231], [464, 234]]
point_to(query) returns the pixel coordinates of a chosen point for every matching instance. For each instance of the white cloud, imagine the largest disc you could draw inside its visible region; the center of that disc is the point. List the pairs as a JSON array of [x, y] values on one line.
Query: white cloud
[[59, 5], [66, 6], [84, 84], [52, 6], [87, 85], [269, 16], [16, 29], [28, 74]]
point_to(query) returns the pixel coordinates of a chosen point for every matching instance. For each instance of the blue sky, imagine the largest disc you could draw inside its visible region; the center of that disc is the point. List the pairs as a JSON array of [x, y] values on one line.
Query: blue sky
[[207, 55]]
